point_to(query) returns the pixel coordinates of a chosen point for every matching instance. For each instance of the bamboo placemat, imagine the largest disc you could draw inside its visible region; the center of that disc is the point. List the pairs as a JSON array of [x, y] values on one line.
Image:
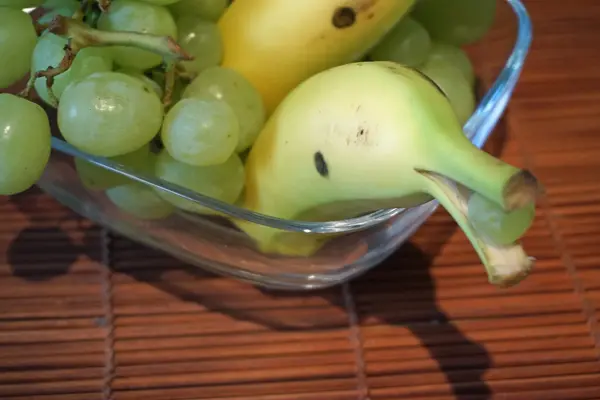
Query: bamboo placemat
[[423, 325]]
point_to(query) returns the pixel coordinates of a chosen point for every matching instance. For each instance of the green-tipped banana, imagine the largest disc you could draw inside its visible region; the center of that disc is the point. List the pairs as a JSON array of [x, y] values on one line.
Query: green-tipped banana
[[365, 136]]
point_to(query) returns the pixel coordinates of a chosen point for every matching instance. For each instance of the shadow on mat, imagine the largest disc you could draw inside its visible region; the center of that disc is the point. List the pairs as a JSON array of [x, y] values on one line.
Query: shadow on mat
[[25, 252], [463, 361]]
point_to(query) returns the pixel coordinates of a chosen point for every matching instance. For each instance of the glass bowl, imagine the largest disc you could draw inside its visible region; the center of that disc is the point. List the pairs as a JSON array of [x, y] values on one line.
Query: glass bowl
[[215, 245]]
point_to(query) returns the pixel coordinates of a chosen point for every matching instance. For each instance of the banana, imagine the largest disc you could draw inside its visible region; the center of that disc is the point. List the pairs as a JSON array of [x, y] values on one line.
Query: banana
[[371, 135], [276, 44]]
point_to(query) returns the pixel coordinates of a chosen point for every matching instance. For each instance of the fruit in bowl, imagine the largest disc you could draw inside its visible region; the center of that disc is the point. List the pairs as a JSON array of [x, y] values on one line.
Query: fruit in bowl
[[285, 110]]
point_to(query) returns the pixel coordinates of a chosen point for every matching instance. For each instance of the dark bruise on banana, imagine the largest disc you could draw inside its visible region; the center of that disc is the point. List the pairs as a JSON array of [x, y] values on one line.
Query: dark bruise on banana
[[343, 17], [321, 164], [346, 16]]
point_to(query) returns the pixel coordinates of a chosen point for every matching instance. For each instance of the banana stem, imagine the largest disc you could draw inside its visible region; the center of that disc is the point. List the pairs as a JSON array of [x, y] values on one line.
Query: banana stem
[[502, 183], [506, 265]]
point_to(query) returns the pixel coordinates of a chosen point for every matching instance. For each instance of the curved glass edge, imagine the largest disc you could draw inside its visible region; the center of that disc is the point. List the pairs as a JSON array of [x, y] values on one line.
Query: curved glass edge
[[342, 226], [478, 128], [483, 121]]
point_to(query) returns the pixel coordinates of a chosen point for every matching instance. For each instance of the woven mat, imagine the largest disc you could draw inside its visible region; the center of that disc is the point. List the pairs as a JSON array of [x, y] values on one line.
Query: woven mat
[[86, 315]]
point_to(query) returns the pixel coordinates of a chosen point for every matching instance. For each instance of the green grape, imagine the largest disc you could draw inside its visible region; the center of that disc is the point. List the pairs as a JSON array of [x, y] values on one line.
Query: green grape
[[49, 52], [151, 84], [223, 181], [97, 178], [407, 43], [241, 199], [455, 86], [200, 132], [202, 40], [136, 198], [210, 10], [19, 4], [135, 16], [66, 11], [17, 41], [445, 53], [232, 88], [493, 222], [56, 4], [140, 200], [24, 143], [456, 22], [109, 114]]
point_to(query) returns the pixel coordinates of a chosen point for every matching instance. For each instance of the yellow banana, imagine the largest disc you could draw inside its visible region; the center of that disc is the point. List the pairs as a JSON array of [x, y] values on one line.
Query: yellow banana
[[373, 135], [276, 44]]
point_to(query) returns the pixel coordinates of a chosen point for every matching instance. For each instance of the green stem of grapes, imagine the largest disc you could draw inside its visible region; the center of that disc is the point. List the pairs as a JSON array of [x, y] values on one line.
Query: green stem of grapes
[[170, 75], [39, 28], [49, 74], [83, 36], [83, 9], [104, 5], [182, 73], [93, 16]]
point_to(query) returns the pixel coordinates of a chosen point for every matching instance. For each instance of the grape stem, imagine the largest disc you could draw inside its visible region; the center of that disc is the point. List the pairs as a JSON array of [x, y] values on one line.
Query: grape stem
[[182, 73], [83, 36], [39, 28], [49, 74], [82, 10], [170, 75], [104, 5]]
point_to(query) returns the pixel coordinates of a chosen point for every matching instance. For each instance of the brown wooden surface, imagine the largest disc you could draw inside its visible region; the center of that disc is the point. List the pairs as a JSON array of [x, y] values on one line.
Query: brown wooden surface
[[424, 325]]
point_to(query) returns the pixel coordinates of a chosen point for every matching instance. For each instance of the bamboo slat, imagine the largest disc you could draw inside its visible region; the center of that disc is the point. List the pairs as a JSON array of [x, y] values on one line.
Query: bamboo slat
[[51, 342]]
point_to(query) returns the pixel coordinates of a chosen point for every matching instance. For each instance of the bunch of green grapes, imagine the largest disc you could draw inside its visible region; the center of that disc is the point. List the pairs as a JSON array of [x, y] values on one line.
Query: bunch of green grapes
[[143, 87], [431, 38]]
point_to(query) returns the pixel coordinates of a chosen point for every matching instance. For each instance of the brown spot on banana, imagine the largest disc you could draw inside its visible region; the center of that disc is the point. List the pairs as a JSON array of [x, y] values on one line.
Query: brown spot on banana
[[362, 6], [321, 164], [344, 17]]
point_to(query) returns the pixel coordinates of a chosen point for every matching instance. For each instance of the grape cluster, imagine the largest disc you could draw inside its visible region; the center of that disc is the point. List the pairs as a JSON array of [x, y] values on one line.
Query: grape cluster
[[125, 75]]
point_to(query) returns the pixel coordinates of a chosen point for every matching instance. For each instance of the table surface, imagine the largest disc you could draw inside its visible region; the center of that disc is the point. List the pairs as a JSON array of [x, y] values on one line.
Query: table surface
[[423, 325]]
